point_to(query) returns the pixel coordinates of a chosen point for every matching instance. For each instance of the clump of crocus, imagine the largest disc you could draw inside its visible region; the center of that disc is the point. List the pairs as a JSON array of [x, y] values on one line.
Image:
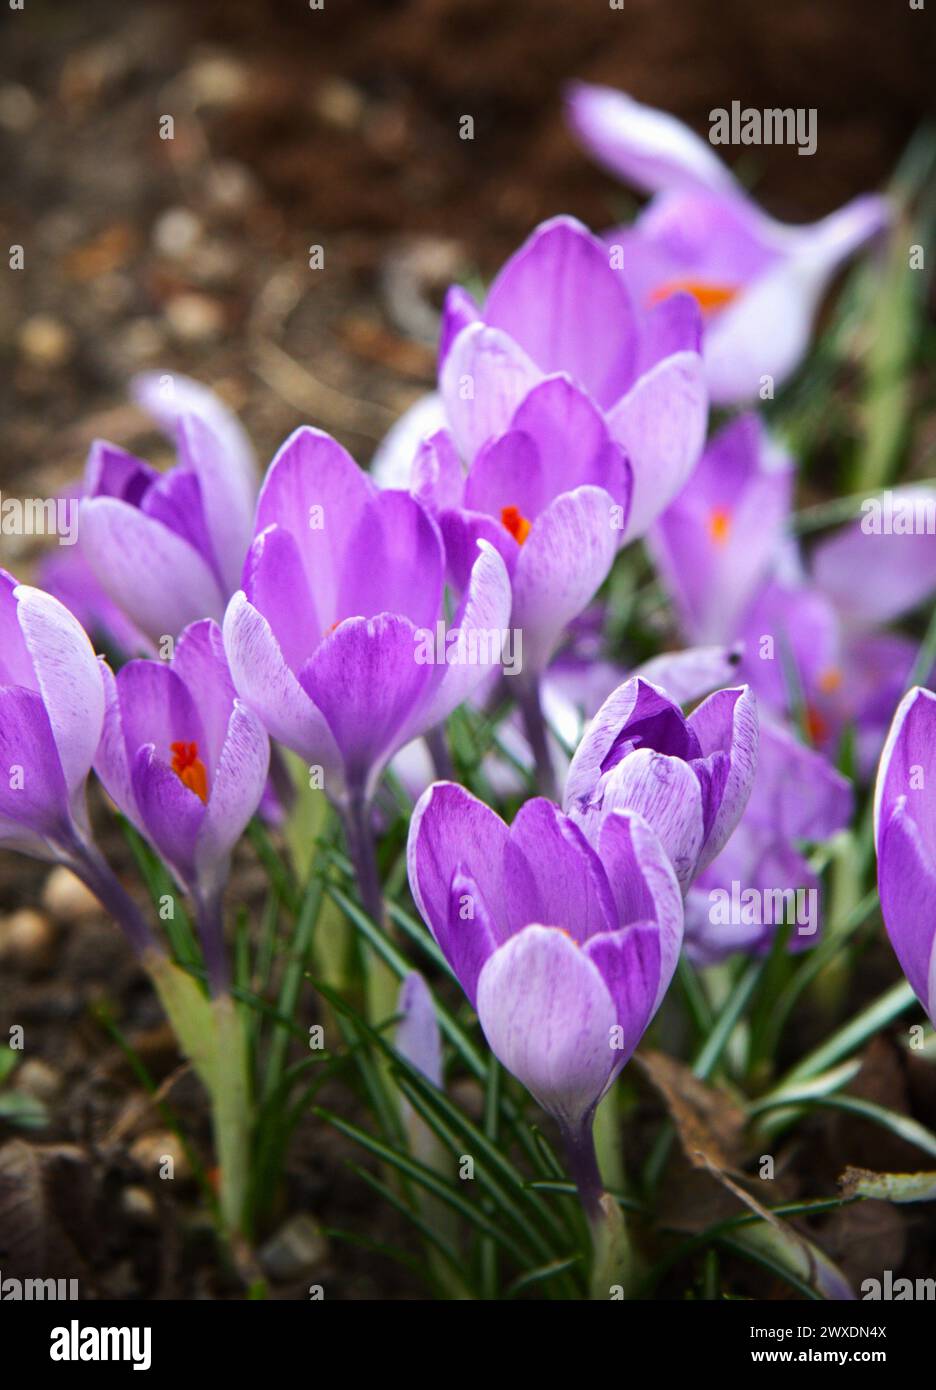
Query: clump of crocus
[[564, 949], [332, 640], [798, 798], [689, 778], [905, 834], [757, 281], [168, 548], [186, 761]]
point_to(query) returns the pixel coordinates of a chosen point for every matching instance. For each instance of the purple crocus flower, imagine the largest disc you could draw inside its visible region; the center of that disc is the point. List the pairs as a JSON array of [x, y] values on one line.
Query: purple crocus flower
[[809, 628], [690, 778], [51, 716], [168, 548], [557, 308], [905, 835], [332, 640], [758, 281], [551, 494], [797, 797], [565, 950], [186, 761], [66, 573], [716, 542]]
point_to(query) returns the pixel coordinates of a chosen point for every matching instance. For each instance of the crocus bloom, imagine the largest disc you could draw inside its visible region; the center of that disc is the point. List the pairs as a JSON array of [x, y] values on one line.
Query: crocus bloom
[[811, 635], [565, 950], [186, 761], [758, 281], [551, 494], [66, 573], [797, 797], [715, 543], [51, 712], [168, 548], [690, 778], [51, 716], [342, 587], [558, 308], [905, 834], [809, 627]]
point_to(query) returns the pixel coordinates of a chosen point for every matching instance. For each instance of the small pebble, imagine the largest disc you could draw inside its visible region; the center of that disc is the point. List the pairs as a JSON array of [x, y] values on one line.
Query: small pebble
[[151, 1151], [195, 318], [38, 1079], [138, 1204], [295, 1250], [27, 941], [45, 341], [67, 898], [176, 232]]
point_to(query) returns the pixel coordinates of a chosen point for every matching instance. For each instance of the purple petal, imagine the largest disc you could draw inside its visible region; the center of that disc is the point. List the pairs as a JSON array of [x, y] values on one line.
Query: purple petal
[[906, 766], [151, 573], [688, 675], [316, 491], [482, 381], [563, 562], [470, 936], [393, 563], [648, 148], [450, 827], [168, 397], [236, 790], [437, 480], [112, 472], [629, 964], [715, 542], [171, 813], [481, 621], [275, 583], [907, 886], [572, 443], [459, 310], [661, 424], [548, 1017], [726, 725], [16, 666], [28, 754], [366, 680], [68, 678], [672, 325], [201, 665], [874, 578], [559, 299], [228, 493], [157, 709], [112, 761], [555, 877], [645, 887], [267, 685], [463, 534]]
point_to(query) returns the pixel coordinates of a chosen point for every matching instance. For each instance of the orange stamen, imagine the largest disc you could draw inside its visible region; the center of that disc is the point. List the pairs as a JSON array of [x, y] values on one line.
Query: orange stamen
[[710, 297], [516, 523], [189, 768], [719, 525]]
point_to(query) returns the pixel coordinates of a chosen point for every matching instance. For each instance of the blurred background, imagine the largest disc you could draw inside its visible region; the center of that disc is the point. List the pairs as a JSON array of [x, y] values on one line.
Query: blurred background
[[339, 127]]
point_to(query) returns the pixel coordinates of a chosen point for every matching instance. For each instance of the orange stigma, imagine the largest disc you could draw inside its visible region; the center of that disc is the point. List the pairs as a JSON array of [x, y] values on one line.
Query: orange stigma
[[516, 523], [709, 296], [816, 726], [830, 680], [189, 768], [719, 525]]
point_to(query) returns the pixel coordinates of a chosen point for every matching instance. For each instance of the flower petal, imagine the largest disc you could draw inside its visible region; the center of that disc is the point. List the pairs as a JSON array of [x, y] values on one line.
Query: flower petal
[[559, 299], [554, 876], [171, 813], [267, 685], [563, 562], [907, 886], [873, 578], [450, 827], [726, 723], [34, 800], [647, 148], [239, 780], [157, 578], [68, 677], [661, 424], [548, 1017], [645, 887], [393, 459], [482, 381]]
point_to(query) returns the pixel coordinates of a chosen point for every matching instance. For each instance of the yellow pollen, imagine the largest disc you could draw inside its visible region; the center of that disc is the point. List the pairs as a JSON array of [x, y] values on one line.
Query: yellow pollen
[[514, 522], [719, 525], [830, 680], [710, 297], [189, 768]]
